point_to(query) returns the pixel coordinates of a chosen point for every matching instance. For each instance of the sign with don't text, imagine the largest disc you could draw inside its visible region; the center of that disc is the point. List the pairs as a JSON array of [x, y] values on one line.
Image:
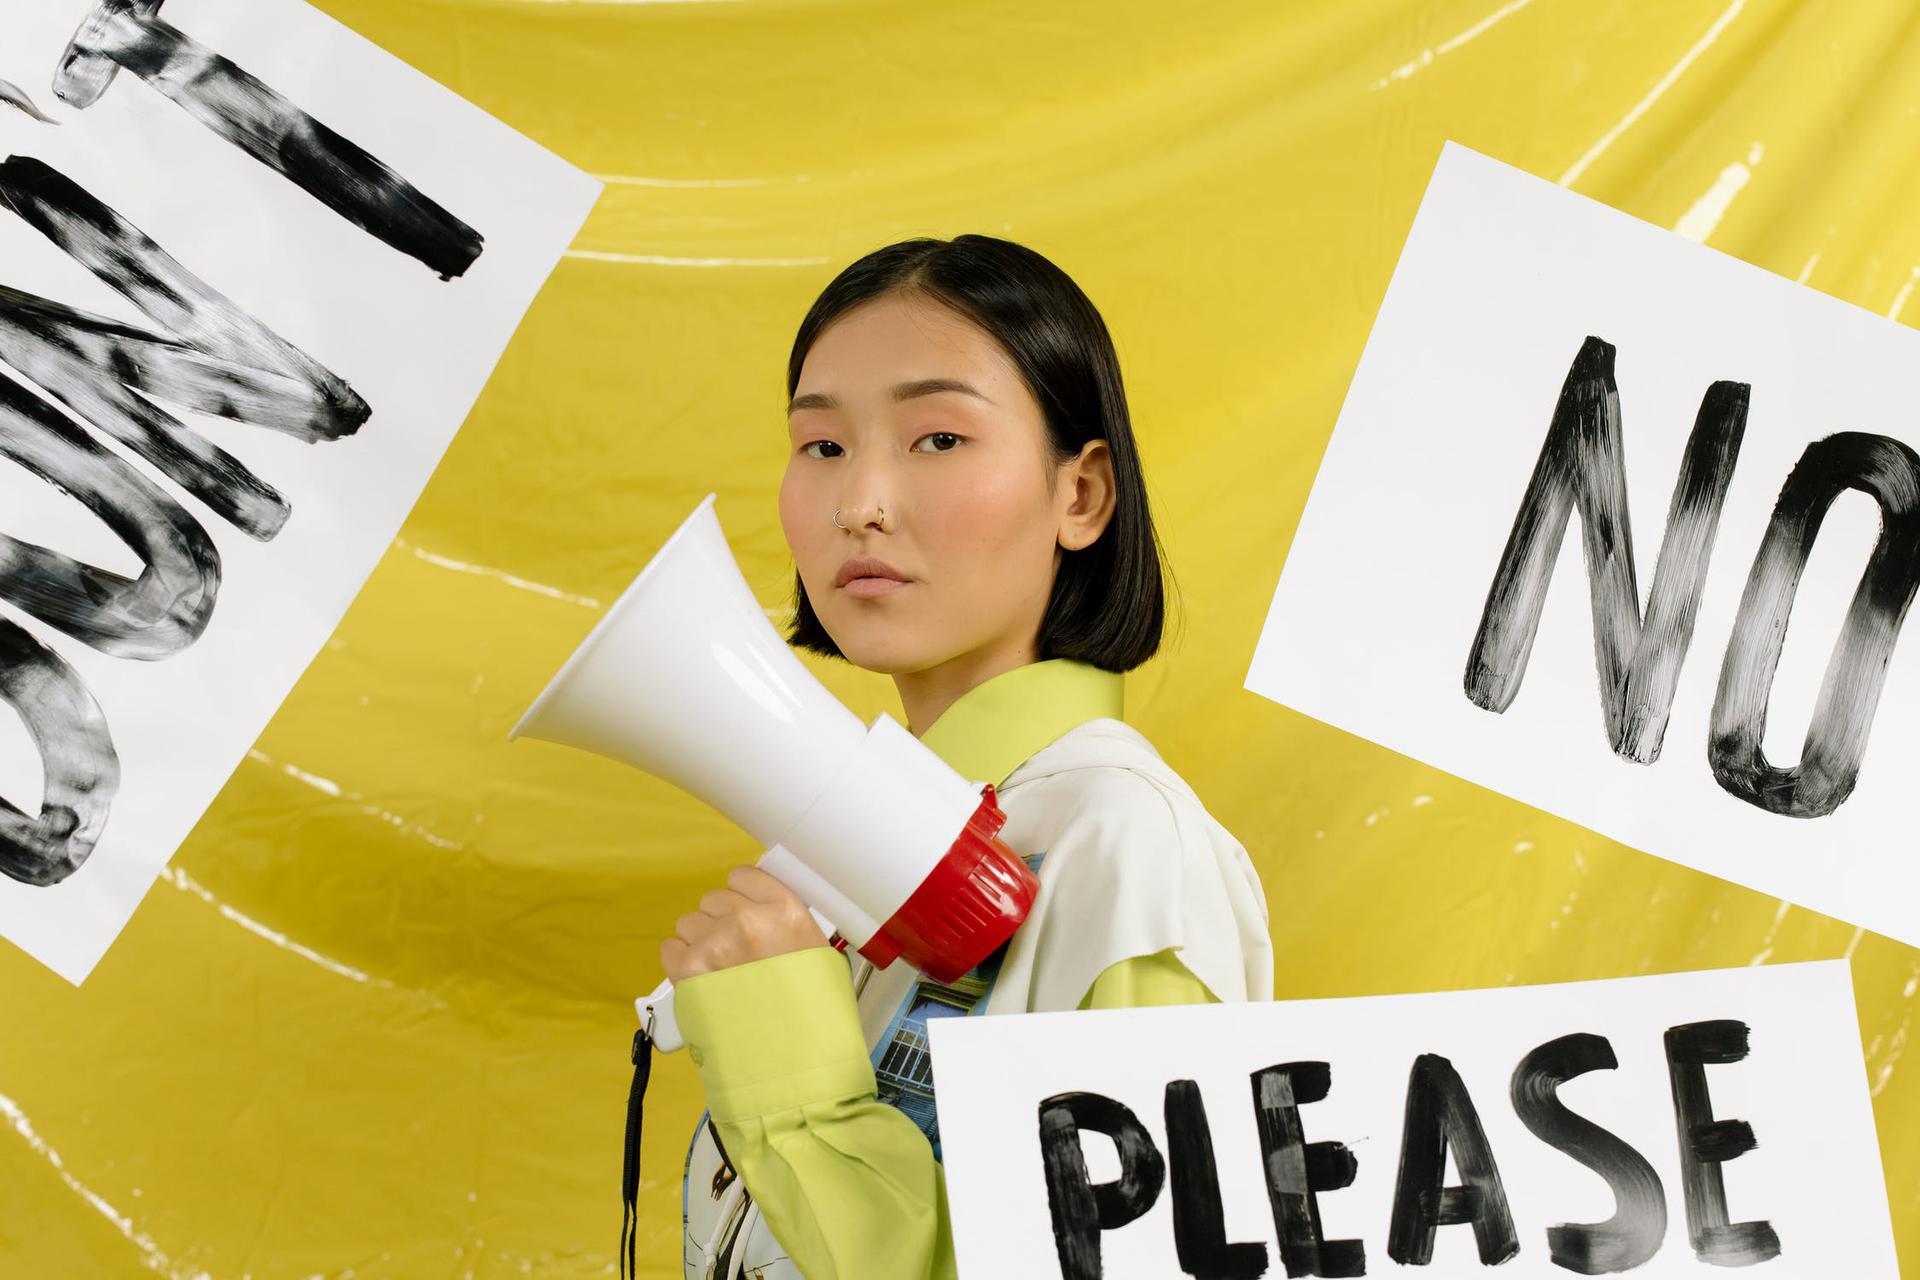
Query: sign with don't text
[[254, 272]]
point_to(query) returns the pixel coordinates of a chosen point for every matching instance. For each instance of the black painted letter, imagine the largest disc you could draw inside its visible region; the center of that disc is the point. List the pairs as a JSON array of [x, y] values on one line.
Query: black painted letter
[[1706, 1144], [1296, 1169], [1850, 691], [1199, 1220], [206, 354], [1440, 1116], [1581, 465], [77, 758], [1639, 1222], [253, 117], [1082, 1210], [149, 617]]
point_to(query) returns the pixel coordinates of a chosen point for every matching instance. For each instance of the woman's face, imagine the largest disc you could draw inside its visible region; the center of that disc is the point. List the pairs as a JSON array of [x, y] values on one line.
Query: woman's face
[[971, 521]]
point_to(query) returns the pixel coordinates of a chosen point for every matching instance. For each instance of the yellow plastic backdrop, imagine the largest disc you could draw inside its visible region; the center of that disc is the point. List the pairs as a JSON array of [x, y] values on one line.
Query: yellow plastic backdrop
[[373, 1020]]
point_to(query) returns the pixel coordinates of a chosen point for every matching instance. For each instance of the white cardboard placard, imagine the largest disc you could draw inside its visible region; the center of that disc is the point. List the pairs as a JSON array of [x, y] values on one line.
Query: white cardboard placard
[[1515, 300], [413, 335], [1813, 1175]]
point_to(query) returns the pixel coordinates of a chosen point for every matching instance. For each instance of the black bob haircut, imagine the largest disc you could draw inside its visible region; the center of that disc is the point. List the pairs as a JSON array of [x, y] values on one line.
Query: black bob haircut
[[1108, 605]]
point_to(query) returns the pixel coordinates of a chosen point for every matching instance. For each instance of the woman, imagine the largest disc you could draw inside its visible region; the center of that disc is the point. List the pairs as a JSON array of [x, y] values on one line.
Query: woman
[[966, 512]]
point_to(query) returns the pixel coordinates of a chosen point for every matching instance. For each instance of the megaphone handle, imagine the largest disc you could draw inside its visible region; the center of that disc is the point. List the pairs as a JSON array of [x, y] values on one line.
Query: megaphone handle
[[656, 1008], [656, 1018]]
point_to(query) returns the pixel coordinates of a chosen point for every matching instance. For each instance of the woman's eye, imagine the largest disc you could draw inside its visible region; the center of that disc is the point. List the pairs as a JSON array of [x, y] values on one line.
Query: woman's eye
[[931, 435]]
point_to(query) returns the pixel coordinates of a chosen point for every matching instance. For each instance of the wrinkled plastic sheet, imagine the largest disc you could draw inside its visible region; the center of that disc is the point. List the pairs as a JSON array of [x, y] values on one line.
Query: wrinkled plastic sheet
[[373, 1020]]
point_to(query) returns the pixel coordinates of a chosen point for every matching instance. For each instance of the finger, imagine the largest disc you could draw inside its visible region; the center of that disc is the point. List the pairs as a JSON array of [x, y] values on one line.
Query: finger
[[695, 926], [678, 960], [721, 903], [792, 917], [759, 884], [768, 907]]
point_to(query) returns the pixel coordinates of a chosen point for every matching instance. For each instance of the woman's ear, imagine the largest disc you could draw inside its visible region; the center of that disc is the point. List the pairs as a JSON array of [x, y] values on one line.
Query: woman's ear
[[1088, 493]]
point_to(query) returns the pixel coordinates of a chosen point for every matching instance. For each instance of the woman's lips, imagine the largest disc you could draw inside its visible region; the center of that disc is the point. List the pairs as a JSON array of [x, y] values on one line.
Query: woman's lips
[[867, 588]]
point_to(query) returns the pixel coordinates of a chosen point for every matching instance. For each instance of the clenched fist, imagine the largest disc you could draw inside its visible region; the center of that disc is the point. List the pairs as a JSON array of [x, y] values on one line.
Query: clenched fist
[[754, 917]]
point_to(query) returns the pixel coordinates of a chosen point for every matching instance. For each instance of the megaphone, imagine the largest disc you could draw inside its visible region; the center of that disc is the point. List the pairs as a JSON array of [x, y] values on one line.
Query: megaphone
[[686, 678]]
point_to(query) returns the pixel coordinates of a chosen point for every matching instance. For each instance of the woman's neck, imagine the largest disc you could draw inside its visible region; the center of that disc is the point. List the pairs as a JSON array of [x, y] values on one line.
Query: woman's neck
[[927, 693]]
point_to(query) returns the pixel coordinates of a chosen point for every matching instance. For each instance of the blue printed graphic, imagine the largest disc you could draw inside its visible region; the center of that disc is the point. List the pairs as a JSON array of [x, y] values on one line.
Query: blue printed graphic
[[903, 1057]]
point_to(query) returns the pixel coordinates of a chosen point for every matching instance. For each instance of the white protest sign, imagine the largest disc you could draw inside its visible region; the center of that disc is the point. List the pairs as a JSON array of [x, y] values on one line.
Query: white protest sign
[[1465, 586], [254, 272], [1670, 1125]]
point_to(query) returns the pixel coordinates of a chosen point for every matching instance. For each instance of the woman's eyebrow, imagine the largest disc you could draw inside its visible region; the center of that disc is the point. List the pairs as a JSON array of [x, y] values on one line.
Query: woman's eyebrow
[[901, 391]]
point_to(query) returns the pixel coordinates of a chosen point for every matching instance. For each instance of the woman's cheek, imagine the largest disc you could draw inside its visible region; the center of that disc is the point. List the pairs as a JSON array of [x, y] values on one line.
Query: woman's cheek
[[979, 509], [787, 527], [805, 541]]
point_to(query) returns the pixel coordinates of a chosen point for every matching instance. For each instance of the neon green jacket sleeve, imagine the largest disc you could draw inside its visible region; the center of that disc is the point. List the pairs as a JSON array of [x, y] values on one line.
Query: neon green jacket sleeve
[[847, 1183]]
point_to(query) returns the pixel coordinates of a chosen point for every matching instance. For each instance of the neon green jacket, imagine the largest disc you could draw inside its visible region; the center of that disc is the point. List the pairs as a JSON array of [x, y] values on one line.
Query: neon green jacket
[[848, 1184]]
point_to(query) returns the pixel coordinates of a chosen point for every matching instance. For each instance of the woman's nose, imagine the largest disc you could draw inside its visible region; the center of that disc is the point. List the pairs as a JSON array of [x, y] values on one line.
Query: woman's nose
[[856, 515], [867, 492]]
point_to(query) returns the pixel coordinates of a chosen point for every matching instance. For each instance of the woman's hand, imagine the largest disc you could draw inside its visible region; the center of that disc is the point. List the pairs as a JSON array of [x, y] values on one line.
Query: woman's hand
[[754, 917]]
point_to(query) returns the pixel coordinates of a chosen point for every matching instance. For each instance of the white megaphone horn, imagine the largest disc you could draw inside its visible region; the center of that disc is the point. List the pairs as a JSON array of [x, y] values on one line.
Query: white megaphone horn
[[685, 678]]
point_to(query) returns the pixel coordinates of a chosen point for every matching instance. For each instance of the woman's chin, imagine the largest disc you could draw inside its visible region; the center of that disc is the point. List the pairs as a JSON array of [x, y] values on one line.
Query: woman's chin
[[884, 649]]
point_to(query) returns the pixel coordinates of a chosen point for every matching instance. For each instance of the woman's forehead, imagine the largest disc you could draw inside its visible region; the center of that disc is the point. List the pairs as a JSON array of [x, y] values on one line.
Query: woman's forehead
[[879, 346]]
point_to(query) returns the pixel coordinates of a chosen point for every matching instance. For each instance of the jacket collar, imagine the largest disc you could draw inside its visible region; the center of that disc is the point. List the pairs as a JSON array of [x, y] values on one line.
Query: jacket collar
[[993, 727]]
